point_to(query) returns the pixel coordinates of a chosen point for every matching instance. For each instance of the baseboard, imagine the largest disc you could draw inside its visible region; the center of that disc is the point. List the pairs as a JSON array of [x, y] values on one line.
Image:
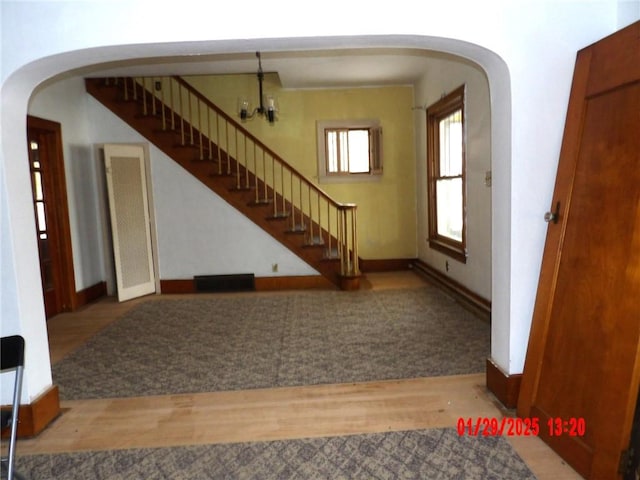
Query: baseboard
[[90, 294], [261, 284], [385, 265], [292, 283], [34, 417], [505, 387], [472, 300], [178, 286]]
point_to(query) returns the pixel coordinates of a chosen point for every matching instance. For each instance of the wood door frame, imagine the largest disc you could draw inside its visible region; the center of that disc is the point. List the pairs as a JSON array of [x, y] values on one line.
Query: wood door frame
[[58, 197]]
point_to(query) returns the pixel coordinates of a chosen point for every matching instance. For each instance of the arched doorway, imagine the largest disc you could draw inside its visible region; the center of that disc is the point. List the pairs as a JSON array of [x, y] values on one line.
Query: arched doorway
[[24, 81]]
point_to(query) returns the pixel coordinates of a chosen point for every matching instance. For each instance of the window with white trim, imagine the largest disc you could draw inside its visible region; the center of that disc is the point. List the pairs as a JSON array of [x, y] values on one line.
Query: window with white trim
[[349, 151]]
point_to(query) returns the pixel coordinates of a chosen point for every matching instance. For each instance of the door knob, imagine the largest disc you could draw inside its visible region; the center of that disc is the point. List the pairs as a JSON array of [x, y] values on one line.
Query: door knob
[[553, 216]]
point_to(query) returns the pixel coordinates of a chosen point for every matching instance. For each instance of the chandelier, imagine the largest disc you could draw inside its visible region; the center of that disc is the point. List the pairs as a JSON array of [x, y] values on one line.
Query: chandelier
[[267, 107]]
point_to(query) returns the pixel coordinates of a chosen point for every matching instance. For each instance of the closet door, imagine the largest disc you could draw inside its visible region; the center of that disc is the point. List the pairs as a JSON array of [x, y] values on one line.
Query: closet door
[[130, 225], [583, 364]]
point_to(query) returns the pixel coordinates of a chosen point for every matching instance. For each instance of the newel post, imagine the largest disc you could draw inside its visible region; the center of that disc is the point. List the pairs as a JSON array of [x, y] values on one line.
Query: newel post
[[348, 247]]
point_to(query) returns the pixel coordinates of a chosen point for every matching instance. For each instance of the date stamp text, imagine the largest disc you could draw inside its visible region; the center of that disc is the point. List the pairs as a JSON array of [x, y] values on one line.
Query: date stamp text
[[515, 426]]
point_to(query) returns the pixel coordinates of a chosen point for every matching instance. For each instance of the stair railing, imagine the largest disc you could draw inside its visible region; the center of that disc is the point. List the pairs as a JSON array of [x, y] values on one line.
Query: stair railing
[[234, 151]]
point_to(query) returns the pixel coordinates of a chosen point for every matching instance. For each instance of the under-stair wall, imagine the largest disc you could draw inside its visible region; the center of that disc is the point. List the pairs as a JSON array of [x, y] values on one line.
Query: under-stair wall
[[221, 154]]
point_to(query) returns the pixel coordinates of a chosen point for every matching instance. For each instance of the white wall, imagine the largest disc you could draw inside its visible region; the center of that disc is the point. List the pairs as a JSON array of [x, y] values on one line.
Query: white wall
[[443, 76], [188, 215], [527, 49], [198, 232], [65, 102]]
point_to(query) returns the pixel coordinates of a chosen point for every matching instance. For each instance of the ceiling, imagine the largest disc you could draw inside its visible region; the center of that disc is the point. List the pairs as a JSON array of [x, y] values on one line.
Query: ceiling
[[297, 69]]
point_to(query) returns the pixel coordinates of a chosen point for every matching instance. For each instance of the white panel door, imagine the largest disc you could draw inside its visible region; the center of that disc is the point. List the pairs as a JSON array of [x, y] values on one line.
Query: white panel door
[[130, 226]]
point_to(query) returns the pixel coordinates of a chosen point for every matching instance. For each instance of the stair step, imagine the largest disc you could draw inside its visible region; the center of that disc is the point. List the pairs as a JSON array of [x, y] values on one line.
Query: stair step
[[186, 144], [279, 216], [154, 116], [161, 131], [212, 161], [297, 229], [314, 242], [262, 201], [331, 254]]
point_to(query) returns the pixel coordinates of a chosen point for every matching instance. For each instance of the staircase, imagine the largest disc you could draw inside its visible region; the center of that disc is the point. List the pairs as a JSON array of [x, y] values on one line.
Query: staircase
[[234, 164]]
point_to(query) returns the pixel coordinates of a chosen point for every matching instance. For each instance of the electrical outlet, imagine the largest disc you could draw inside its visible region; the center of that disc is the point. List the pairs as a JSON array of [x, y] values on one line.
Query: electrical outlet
[[274, 267]]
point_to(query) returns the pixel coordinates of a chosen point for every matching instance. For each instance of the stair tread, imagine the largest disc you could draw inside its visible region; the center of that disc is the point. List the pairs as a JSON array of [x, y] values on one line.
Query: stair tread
[[279, 216], [257, 203]]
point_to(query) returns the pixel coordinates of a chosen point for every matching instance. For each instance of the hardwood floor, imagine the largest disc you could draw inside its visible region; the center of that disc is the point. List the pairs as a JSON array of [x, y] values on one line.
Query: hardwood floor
[[269, 414]]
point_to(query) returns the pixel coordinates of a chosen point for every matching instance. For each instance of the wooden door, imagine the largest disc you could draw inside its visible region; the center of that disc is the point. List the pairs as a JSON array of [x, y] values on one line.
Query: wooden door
[[46, 164], [130, 224], [583, 360]]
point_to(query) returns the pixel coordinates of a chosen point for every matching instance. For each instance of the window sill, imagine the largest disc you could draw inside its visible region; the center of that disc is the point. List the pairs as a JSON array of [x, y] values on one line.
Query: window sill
[[449, 250]]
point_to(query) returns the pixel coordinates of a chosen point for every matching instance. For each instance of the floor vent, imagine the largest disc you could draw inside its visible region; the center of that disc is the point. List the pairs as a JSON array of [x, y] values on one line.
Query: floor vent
[[241, 282]]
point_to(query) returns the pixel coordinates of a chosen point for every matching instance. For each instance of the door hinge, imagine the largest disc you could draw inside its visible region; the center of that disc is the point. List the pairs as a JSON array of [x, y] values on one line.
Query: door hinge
[[626, 461]]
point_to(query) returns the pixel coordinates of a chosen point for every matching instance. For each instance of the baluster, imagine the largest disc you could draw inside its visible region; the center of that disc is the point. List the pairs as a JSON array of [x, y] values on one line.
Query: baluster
[[329, 229], [301, 204], [350, 243], [172, 105], [181, 114], [227, 144], [154, 108], [237, 160], [284, 205], [209, 142], [144, 98], [164, 105], [293, 210], [200, 128], [341, 215], [246, 163], [264, 176], [273, 185], [320, 241], [255, 172], [311, 240], [354, 235], [189, 95], [337, 225], [218, 145]]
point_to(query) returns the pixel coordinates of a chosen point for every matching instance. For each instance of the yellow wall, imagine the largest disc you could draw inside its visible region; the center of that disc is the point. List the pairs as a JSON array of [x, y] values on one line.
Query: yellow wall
[[386, 209]]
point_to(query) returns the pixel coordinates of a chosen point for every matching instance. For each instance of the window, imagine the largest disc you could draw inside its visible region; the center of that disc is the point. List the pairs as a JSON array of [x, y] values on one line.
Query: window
[[446, 175], [349, 151]]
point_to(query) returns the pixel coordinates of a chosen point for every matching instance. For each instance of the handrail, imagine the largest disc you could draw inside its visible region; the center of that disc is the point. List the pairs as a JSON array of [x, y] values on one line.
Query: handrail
[[224, 141], [248, 134]]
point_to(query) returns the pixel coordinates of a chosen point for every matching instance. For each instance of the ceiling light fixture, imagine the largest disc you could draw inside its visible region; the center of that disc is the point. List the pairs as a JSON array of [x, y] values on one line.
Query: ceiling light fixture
[[267, 107]]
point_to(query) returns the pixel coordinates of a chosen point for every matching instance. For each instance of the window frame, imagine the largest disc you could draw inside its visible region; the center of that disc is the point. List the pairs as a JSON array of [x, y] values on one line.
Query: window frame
[[438, 111], [375, 151]]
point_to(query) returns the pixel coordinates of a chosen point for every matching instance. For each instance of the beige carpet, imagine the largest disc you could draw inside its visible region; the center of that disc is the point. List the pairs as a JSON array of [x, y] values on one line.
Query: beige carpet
[[434, 454], [261, 341]]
